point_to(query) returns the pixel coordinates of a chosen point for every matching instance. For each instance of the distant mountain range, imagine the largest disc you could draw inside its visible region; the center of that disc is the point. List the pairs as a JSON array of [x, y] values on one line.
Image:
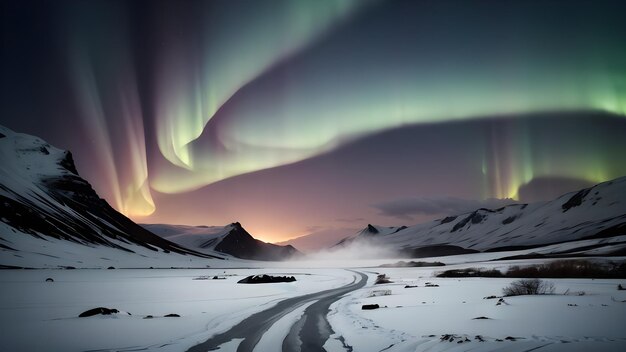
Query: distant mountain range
[[232, 239], [50, 216], [591, 221]]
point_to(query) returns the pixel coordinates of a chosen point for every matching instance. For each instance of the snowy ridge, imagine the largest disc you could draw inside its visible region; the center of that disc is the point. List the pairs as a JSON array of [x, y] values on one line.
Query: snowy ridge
[[231, 239], [370, 232], [595, 213], [43, 197]]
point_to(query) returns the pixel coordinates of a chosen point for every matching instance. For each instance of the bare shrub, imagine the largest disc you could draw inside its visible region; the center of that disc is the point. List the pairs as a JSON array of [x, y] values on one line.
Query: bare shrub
[[529, 287], [569, 269], [471, 272]]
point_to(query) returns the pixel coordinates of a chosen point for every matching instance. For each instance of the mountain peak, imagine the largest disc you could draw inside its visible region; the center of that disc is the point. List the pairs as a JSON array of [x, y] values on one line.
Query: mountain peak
[[48, 199], [371, 229]]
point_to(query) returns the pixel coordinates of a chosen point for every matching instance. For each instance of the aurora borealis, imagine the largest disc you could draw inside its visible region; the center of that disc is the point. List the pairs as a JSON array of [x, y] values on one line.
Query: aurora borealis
[[292, 116]]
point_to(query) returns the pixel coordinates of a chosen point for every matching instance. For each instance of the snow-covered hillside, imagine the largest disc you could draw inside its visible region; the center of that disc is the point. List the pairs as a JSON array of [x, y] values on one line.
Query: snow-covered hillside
[[232, 239], [597, 213], [48, 211]]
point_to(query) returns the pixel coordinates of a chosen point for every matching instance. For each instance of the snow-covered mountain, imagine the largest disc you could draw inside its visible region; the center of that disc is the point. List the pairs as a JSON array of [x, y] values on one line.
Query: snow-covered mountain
[[47, 208], [595, 216], [232, 239]]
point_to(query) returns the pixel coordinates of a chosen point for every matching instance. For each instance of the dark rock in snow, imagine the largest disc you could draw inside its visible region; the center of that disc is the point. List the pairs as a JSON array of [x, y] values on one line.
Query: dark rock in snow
[[265, 279], [99, 310], [111, 268], [148, 317], [369, 306], [509, 220], [49, 279], [480, 318], [382, 279], [172, 316], [448, 219], [576, 200]]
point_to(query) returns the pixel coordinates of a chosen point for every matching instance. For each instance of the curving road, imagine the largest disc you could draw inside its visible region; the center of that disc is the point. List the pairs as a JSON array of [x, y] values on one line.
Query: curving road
[[309, 333]]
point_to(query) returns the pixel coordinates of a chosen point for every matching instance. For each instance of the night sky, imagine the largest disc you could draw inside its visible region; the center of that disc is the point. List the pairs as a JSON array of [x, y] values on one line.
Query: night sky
[[300, 116]]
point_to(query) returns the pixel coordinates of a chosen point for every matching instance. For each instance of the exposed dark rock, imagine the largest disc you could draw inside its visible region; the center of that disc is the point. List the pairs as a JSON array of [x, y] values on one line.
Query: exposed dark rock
[[399, 229], [477, 218], [68, 163], [148, 317], [172, 315], [612, 231], [509, 220], [369, 306], [111, 268], [371, 229], [480, 318], [49, 279], [410, 286], [448, 219], [97, 311], [382, 279], [576, 200], [265, 279], [430, 284]]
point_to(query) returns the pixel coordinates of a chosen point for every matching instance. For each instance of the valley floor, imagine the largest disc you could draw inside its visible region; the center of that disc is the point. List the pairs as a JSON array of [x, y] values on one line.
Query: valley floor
[[36, 315]]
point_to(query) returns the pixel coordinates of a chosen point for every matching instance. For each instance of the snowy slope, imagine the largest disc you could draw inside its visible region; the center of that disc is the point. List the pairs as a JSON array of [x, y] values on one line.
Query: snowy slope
[[42, 197], [370, 232], [232, 239], [595, 213]]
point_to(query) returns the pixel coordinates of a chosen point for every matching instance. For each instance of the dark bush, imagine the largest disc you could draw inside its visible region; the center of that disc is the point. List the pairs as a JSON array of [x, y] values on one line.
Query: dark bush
[[413, 264], [528, 287], [470, 272], [556, 269], [569, 269]]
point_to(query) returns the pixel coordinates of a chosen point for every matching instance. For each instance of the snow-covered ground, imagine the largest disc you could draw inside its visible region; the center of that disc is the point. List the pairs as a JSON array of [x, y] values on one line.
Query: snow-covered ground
[[591, 316], [43, 316], [36, 315]]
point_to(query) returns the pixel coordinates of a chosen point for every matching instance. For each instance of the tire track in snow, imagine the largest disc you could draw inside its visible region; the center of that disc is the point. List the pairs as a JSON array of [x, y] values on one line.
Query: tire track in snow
[[312, 334]]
